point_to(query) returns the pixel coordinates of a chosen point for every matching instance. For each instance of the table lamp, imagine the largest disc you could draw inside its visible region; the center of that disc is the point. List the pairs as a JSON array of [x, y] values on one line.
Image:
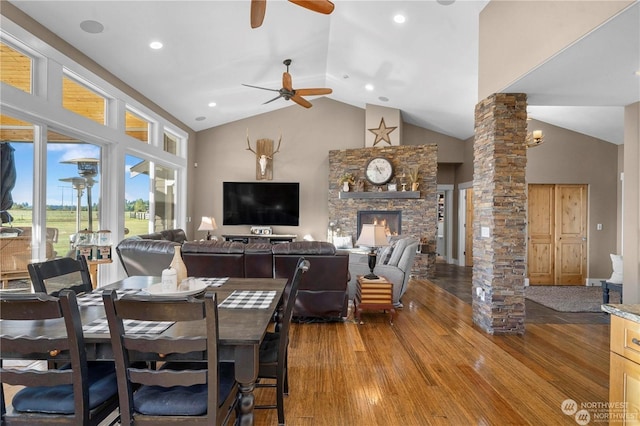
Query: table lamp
[[372, 236], [207, 224]]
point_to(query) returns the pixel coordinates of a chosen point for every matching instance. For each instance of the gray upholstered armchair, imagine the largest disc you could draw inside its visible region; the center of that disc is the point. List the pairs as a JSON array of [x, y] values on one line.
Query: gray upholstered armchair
[[393, 262]]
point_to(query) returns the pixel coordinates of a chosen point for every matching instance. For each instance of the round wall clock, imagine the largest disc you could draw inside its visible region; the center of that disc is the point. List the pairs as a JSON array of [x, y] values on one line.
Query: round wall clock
[[379, 170]]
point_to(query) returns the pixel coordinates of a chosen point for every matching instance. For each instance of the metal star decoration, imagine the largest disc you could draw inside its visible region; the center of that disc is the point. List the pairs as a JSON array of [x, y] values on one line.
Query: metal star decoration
[[382, 133]]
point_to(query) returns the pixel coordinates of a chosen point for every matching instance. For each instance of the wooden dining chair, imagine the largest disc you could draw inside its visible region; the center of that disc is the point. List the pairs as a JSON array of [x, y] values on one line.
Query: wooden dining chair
[[76, 393], [191, 386], [54, 275], [274, 347]]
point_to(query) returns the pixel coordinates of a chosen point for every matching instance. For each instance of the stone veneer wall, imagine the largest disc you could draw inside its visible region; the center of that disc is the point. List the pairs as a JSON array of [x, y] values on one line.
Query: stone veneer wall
[[419, 216], [500, 202]]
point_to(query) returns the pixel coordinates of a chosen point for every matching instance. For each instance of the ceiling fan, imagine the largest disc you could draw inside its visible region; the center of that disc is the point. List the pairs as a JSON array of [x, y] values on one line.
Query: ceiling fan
[[289, 93], [258, 8]]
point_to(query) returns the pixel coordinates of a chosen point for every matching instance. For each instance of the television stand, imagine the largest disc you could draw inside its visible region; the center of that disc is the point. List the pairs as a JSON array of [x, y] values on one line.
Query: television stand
[[257, 238]]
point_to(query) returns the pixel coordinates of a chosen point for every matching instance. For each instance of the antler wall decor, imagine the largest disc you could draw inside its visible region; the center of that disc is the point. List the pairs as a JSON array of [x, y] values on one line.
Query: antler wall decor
[[264, 156]]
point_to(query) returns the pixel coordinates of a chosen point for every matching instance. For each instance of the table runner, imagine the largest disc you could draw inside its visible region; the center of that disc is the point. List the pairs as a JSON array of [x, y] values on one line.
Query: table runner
[[95, 297], [100, 325], [213, 282], [248, 299]]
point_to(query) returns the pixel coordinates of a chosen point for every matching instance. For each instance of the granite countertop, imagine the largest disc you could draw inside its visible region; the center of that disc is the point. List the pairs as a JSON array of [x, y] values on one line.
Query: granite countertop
[[630, 312]]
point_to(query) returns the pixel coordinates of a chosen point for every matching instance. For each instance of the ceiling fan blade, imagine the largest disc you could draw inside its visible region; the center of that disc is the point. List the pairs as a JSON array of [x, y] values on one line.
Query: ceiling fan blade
[[271, 100], [263, 88], [301, 101], [258, 8], [320, 6], [313, 92], [286, 82]]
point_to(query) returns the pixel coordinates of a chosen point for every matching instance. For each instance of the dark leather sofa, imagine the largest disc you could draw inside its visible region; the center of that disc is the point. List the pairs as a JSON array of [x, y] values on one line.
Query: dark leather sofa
[[149, 254], [323, 293]]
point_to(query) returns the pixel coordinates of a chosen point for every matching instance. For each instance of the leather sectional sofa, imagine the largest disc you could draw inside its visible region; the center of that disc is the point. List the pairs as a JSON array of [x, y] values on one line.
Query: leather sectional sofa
[[323, 293]]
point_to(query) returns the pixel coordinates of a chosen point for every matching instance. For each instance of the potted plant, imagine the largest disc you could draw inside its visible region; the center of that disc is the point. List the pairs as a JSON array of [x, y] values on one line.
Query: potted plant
[[413, 178], [345, 180]]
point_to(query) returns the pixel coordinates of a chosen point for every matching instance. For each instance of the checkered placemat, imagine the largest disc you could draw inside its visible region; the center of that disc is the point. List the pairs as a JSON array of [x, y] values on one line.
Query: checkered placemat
[[95, 297], [213, 282], [248, 300], [100, 325]]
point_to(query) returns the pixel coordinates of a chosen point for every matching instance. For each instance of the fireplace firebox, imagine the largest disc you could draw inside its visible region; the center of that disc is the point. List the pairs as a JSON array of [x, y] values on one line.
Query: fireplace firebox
[[390, 219]]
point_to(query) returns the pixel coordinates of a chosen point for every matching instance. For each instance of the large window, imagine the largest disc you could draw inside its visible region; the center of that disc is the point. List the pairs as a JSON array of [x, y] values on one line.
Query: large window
[[80, 99], [72, 188], [48, 142], [15, 68], [136, 126], [149, 182]]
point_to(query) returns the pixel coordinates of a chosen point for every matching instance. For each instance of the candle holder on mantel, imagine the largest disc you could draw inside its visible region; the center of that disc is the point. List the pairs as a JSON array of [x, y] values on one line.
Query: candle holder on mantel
[[403, 182]]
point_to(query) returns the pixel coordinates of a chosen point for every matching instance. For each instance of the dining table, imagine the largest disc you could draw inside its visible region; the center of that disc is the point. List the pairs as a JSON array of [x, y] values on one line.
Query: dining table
[[242, 327]]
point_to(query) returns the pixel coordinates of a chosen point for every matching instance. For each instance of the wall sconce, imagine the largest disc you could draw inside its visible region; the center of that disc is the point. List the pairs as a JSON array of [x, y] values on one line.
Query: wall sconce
[[207, 224], [535, 138]]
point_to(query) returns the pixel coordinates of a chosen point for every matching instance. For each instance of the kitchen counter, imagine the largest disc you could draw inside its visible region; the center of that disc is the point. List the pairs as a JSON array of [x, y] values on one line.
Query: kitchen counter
[[630, 312]]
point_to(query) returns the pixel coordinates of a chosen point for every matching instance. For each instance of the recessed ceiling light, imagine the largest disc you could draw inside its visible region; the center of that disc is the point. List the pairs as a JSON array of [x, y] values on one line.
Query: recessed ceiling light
[[91, 27], [155, 45], [399, 19], [369, 87], [201, 118], [638, 72], [212, 104]]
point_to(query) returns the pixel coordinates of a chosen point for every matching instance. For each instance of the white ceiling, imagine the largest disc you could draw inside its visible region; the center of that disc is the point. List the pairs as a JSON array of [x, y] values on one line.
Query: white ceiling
[[426, 67]]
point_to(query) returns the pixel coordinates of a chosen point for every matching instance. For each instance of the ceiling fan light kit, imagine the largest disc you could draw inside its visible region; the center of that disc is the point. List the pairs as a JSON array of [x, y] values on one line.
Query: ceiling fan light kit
[[289, 93]]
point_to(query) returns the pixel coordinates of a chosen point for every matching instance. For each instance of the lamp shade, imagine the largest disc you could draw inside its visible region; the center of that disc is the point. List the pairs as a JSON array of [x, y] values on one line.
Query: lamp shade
[[372, 236], [207, 224]]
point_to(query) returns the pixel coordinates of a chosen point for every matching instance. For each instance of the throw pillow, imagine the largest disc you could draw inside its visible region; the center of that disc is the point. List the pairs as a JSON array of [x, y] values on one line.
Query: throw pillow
[[343, 242], [385, 254], [398, 250], [616, 262]]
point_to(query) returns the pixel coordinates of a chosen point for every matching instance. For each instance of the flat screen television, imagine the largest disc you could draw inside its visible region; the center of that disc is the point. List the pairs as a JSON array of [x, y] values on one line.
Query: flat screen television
[[261, 203]]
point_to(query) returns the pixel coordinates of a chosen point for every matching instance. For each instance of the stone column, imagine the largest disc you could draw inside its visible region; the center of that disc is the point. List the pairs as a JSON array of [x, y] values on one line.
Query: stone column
[[500, 202]]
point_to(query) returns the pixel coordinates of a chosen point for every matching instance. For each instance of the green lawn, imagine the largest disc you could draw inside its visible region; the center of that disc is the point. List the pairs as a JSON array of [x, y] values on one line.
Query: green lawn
[[65, 221]]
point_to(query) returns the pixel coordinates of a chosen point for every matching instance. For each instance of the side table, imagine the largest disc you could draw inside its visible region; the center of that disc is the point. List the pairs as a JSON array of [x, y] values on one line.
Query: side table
[[93, 270], [374, 294]]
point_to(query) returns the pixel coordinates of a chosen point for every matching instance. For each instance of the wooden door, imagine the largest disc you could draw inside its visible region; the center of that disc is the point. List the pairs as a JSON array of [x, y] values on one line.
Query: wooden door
[[571, 234], [468, 231], [557, 226], [541, 228]]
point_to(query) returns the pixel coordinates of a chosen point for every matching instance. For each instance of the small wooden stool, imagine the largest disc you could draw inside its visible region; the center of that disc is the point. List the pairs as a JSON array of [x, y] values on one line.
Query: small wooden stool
[[374, 294]]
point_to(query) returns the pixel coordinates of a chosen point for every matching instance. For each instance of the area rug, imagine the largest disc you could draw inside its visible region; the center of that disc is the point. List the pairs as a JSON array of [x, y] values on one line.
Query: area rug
[[570, 298]]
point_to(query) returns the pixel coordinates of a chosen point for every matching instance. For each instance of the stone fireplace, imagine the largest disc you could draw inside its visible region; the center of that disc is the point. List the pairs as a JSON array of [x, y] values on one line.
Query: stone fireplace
[[390, 219], [418, 213]]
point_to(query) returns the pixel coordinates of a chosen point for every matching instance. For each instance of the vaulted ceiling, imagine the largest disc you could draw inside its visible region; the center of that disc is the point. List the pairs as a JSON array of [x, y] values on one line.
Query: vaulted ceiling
[[426, 67]]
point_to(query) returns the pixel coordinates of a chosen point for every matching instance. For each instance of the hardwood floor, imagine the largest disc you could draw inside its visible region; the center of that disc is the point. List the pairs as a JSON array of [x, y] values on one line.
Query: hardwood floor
[[434, 367]]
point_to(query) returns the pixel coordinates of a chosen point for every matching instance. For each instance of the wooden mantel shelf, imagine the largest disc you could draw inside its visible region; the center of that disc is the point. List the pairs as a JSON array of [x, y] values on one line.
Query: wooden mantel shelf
[[380, 194]]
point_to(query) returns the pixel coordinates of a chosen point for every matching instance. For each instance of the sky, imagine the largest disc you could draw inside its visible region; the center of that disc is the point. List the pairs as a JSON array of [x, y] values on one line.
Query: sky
[[62, 193]]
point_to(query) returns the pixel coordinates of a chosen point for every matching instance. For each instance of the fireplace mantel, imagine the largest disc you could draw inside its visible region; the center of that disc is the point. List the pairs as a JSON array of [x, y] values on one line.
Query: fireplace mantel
[[380, 194]]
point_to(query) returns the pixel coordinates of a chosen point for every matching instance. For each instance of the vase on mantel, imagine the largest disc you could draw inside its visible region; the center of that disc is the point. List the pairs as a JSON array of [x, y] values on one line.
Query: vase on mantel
[[178, 265], [414, 186], [345, 186]]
